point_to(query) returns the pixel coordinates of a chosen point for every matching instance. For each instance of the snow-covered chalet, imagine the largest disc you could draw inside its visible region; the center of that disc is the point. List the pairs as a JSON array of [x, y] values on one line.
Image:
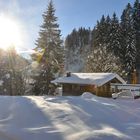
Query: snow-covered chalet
[[97, 83]]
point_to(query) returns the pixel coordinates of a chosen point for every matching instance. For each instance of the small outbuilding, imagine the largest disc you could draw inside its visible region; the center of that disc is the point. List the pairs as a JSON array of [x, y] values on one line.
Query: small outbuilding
[[75, 84]]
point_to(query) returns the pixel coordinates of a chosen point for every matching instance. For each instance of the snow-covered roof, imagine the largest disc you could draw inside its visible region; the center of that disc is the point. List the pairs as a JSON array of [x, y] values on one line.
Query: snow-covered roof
[[97, 79]]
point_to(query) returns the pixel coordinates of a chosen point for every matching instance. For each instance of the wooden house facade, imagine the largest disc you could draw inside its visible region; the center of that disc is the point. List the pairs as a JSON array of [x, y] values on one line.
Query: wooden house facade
[[74, 84]]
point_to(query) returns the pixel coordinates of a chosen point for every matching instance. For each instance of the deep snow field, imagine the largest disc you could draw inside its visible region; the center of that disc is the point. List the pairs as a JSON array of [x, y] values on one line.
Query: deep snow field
[[69, 118]]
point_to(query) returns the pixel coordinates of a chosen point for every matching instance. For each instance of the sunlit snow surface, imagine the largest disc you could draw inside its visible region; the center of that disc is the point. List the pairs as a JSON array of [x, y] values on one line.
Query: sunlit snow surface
[[69, 118]]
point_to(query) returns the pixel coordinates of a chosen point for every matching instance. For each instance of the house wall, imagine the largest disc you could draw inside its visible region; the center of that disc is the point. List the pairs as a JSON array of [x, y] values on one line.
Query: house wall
[[105, 90], [71, 89], [76, 89]]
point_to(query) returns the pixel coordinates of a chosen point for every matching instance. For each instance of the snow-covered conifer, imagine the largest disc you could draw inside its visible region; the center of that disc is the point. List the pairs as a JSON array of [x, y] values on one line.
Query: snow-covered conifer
[[49, 52]]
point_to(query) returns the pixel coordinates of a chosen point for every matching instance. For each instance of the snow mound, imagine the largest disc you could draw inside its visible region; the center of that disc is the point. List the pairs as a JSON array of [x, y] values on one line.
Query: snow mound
[[87, 95]]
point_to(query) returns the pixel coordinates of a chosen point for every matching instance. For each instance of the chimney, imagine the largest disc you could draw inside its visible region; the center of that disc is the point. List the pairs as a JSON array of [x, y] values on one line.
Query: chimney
[[68, 74]]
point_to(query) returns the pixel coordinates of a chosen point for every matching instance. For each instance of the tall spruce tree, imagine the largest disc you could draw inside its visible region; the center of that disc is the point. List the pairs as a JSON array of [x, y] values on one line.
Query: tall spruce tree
[[128, 40], [136, 19], [108, 30], [100, 34], [49, 52], [114, 35]]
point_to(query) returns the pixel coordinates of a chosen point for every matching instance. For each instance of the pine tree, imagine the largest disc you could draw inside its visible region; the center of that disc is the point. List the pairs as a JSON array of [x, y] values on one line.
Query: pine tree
[[128, 40], [49, 52], [136, 19], [102, 57], [108, 34], [100, 34], [114, 35]]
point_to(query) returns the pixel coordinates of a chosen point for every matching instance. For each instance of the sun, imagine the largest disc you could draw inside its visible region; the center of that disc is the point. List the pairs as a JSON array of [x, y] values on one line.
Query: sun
[[10, 34]]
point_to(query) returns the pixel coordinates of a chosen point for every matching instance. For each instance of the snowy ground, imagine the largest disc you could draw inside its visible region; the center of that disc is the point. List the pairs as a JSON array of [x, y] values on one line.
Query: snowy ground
[[69, 118]]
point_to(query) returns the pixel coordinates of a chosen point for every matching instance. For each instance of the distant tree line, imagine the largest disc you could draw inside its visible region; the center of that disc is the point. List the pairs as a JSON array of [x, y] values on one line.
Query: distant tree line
[[112, 37]]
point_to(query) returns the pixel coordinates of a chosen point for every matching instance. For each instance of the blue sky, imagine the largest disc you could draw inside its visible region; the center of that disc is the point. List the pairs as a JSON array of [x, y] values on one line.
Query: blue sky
[[71, 14]]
